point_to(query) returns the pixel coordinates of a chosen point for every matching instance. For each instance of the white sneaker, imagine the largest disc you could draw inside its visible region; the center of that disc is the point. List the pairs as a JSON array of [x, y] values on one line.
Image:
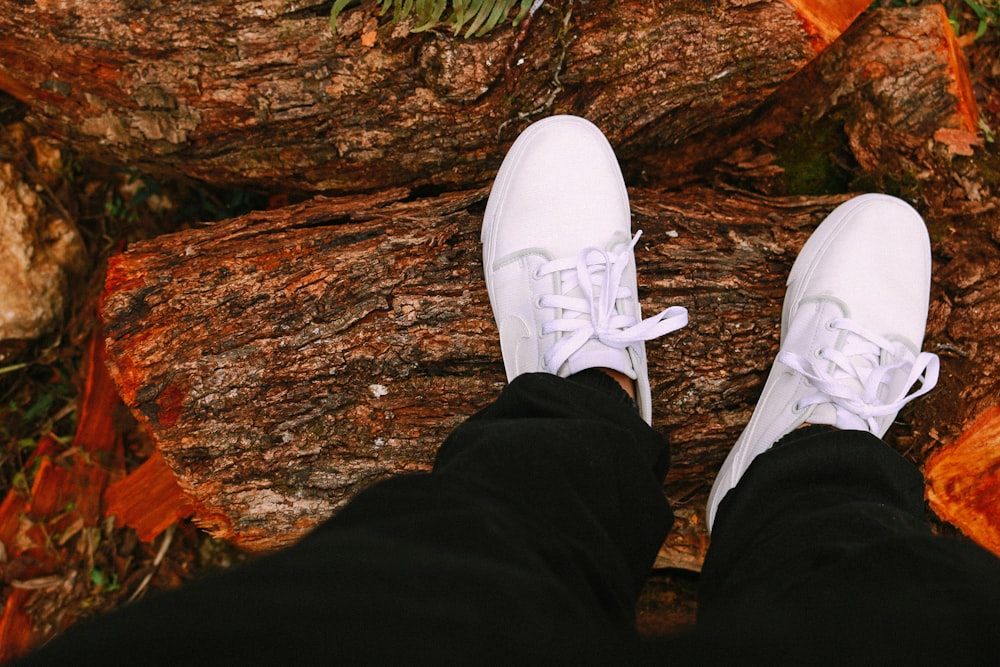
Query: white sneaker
[[851, 329], [557, 254]]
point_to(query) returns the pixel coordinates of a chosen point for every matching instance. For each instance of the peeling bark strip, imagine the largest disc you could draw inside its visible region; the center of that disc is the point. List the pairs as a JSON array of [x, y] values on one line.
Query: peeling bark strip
[[262, 93], [41, 529], [284, 360]]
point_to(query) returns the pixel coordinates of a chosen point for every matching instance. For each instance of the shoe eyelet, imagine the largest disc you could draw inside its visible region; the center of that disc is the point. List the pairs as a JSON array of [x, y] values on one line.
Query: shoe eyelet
[[538, 303], [536, 273], [818, 353], [829, 326]]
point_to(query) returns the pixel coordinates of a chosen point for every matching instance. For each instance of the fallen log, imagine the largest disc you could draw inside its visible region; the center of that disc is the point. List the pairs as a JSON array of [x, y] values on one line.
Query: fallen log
[[284, 360], [963, 452], [263, 94], [287, 359]]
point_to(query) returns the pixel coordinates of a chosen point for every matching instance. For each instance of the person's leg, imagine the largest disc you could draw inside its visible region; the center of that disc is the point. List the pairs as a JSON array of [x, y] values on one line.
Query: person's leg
[[824, 551], [536, 529], [599, 484], [821, 550], [528, 541], [852, 325]]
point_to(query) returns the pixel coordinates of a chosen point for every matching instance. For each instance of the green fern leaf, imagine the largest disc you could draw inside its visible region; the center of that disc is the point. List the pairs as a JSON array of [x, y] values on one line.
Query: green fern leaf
[[481, 16], [526, 6], [432, 15], [458, 13], [469, 12], [499, 8], [403, 10], [338, 6]]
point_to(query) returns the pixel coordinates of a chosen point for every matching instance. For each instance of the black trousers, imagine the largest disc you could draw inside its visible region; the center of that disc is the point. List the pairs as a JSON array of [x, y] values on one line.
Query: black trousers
[[531, 538]]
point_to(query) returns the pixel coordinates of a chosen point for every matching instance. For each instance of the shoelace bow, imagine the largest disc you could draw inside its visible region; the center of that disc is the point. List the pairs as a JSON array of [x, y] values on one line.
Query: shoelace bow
[[857, 374], [598, 276]]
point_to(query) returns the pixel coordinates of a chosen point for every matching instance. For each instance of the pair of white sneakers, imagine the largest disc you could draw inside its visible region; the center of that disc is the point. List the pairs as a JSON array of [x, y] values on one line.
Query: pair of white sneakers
[[560, 270]]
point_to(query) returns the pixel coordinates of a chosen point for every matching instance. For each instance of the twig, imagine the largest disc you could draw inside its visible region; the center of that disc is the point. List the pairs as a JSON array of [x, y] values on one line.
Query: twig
[[168, 537]]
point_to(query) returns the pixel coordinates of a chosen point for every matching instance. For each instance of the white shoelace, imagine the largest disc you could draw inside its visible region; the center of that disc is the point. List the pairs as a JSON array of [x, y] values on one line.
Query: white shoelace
[[596, 275], [853, 383]]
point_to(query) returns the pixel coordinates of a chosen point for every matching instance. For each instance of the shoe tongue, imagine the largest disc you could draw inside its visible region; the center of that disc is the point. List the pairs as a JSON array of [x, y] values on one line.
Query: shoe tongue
[[839, 416], [824, 413], [595, 354]]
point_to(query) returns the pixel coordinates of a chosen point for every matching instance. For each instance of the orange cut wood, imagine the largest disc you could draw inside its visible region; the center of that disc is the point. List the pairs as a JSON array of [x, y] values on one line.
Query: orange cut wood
[[65, 494], [17, 632], [827, 19], [962, 89], [963, 481], [15, 504], [148, 499]]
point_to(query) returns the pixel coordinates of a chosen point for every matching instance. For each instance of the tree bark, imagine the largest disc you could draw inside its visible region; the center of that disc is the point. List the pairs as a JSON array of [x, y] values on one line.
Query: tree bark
[[262, 94], [887, 106], [284, 360]]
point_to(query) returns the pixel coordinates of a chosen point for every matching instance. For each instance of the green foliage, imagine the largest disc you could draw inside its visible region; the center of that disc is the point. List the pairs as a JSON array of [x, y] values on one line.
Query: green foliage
[[481, 16], [37, 398], [815, 161], [103, 581], [988, 13]]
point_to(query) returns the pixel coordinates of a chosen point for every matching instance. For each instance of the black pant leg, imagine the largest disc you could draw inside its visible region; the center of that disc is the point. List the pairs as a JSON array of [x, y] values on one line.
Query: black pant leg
[[526, 544], [823, 553], [599, 481]]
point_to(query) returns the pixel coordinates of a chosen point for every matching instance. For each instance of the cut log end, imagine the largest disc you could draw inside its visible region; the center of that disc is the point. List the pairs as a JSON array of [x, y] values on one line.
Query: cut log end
[[963, 481], [968, 112], [825, 20], [149, 499]]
